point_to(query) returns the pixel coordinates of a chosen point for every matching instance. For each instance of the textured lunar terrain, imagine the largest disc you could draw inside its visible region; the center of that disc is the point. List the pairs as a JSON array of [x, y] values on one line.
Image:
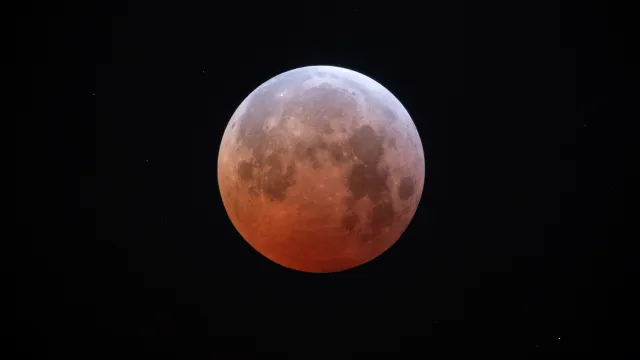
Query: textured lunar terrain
[[321, 169]]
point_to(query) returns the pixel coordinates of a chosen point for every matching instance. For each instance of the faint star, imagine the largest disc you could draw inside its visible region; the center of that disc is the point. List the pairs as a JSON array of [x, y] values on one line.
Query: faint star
[[147, 160], [94, 94], [558, 337]]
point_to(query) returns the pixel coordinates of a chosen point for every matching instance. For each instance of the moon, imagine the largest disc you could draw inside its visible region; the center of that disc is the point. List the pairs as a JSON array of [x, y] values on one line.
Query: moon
[[321, 169]]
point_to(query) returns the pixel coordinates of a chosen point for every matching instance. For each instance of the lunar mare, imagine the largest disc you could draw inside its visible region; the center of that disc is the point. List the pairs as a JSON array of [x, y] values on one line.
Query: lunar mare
[[321, 169]]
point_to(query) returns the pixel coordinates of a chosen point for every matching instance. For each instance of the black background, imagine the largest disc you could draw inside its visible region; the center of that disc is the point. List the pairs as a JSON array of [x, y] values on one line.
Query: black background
[[521, 240]]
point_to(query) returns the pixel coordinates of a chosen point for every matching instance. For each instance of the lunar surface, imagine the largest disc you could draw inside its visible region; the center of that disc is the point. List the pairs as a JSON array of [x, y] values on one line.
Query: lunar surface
[[321, 169]]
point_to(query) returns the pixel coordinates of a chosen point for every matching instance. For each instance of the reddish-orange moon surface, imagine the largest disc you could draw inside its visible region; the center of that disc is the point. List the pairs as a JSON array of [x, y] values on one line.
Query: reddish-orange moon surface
[[321, 169]]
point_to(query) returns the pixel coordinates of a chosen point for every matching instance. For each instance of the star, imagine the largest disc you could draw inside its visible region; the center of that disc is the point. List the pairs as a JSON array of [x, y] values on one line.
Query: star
[[94, 94], [147, 160]]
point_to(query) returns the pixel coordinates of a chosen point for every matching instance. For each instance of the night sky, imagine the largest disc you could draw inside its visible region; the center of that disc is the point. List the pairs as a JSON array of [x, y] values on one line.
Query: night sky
[[521, 242]]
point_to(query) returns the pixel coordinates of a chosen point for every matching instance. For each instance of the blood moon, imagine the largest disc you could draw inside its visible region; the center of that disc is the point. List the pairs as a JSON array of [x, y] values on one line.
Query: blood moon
[[321, 169]]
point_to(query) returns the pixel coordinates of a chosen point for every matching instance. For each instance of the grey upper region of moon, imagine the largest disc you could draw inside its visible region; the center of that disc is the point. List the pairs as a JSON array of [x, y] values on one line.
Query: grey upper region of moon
[[321, 169]]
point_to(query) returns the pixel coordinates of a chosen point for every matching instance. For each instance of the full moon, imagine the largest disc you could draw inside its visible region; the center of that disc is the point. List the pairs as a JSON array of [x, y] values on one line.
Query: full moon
[[321, 169]]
